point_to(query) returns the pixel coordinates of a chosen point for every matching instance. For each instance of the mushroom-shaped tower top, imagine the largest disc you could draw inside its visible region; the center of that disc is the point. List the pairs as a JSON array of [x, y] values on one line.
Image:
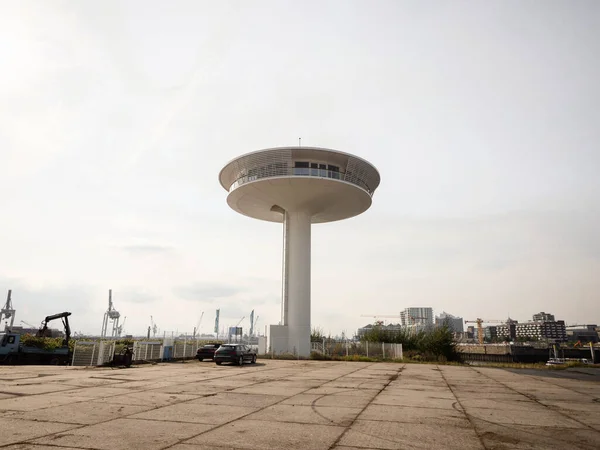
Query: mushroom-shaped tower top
[[327, 184]]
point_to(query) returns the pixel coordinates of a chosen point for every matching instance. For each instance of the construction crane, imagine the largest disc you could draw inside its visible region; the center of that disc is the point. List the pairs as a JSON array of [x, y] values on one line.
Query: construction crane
[[480, 322], [378, 316], [197, 327], [412, 319], [28, 324]]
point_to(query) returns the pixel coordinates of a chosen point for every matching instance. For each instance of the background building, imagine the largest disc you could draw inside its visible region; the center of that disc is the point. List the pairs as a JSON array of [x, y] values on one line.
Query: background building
[[582, 333], [456, 324], [389, 328], [507, 330], [491, 333], [537, 331], [416, 316], [543, 317], [552, 331]]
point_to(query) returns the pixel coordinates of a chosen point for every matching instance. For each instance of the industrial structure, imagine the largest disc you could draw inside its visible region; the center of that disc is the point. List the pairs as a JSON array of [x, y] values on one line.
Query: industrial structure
[[113, 316], [8, 312], [298, 186]]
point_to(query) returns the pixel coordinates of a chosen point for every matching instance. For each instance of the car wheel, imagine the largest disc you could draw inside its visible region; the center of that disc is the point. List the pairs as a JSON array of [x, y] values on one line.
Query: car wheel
[[241, 360], [218, 363], [253, 359]]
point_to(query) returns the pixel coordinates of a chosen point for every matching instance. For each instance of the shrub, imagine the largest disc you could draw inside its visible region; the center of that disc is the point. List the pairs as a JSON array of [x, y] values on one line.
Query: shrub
[[44, 343], [436, 344]]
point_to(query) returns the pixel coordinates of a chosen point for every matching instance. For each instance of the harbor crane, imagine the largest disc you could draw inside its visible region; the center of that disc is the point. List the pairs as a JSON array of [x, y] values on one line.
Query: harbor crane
[[120, 329], [197, 327], [153, 327], [113, 315], [8, 312]]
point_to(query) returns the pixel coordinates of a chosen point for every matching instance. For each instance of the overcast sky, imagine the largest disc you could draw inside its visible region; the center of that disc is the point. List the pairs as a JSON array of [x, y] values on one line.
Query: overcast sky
[[482, 118]]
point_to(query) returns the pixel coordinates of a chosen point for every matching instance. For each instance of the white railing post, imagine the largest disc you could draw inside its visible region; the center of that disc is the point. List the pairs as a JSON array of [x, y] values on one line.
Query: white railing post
[[383, 350], [367, 344]]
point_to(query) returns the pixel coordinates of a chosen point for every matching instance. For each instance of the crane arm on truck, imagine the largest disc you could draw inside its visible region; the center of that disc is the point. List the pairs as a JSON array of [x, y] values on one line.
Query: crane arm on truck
[[65, 320]]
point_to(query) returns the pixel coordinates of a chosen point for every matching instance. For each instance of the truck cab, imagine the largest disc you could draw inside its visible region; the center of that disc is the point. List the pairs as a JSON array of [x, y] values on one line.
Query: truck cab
[[9, 344]]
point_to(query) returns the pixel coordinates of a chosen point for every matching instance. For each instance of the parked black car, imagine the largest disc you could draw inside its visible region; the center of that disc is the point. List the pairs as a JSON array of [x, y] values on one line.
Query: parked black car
[[235, 354], [207, 352]]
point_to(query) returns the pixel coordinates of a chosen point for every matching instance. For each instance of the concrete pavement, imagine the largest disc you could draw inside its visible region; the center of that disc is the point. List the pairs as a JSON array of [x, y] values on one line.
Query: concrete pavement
[[295, 405]]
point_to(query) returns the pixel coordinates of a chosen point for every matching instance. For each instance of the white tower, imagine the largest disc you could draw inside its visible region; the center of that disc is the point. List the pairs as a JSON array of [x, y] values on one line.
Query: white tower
[[113, 315], [298, 186]]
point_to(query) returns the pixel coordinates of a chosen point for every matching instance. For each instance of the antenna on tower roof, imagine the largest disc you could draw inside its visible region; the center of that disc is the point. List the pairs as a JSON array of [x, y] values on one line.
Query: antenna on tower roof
[[299, 142]]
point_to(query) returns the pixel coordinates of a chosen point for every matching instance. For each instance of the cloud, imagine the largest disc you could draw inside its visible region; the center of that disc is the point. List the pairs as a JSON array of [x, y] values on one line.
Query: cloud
[[206, 292], [33, 303], [147, 248], [133, 295]]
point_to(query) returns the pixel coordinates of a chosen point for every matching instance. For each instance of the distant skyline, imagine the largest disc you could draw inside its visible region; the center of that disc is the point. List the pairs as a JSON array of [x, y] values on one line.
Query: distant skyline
[[116, 118]]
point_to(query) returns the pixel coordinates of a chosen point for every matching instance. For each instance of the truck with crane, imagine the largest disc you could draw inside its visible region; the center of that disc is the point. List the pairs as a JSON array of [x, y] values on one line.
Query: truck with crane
[[14, 351]]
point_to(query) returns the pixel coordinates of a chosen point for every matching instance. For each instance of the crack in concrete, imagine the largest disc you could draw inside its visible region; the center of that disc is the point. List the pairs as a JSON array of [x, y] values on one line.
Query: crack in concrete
[[341, 436], [462, 408], [534, 398], [261, 409]]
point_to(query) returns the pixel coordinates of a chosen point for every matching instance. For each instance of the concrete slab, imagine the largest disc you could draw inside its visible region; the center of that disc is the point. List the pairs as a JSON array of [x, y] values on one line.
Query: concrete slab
[[32, 447], [325, 415], [196, 412], [201, 447], [296, 404], [253, 434], [84, 413], [340, 399], [125, 434], [414, 400], [238, 399], [148, 398], [270, 390], [533, 418], [39, 387], [398, 435], [33, 402], [428, 416], [496, 436], [17, 430]]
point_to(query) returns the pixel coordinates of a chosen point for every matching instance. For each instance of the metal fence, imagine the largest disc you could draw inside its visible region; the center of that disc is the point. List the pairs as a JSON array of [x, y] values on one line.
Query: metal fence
[[343, 348], [167, 349], [147, 350], [92, 353]]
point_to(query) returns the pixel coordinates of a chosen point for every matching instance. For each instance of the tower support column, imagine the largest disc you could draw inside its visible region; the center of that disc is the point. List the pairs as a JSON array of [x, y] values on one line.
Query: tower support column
[[296, 280]]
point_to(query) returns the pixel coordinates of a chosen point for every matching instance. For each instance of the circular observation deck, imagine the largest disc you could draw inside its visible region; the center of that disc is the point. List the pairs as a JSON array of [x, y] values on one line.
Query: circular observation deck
[[328, 184]]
